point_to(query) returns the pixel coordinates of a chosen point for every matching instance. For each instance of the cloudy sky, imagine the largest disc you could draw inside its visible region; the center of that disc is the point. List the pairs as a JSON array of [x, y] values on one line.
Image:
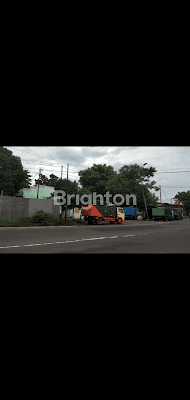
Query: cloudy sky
[[165, 159]]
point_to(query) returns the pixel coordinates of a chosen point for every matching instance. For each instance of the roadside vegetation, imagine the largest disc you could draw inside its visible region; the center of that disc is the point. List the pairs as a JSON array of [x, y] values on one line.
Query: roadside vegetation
[[42, 219]]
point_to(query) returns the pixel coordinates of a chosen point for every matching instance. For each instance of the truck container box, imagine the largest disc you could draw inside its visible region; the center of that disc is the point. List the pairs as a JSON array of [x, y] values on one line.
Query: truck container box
[[107, 211], [162, 213], [130, 212]]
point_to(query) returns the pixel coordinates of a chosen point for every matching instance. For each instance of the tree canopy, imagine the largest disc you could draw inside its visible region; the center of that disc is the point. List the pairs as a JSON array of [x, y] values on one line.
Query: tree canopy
[[130, 179], [184, 198], [43, 180], [12, 175], [95, 178]]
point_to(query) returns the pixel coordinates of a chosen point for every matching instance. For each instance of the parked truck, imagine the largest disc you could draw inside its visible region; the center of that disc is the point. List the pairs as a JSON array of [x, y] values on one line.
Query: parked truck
[[130, 213], [97, 214], [163, 213]]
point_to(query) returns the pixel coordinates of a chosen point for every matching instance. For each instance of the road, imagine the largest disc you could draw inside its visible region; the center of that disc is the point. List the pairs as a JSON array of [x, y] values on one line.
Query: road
[[130, 237]]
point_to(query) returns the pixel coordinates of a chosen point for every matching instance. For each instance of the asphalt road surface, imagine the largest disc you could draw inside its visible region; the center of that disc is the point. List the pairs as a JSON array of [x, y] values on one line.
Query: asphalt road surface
[[129, 237]]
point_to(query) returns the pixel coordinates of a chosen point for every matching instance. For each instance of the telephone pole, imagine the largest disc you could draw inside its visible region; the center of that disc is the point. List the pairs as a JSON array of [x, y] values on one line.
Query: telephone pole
[[61, 171], [143, 192], [160, 197], [66, 203], [67, 171], [40, 172]]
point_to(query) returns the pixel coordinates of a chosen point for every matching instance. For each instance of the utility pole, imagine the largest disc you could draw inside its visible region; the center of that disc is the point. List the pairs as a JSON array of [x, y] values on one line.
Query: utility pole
[[145, 203], [40, 172], [143, 193], [61, 171], [160, 197], [67, 171], [66, 203]]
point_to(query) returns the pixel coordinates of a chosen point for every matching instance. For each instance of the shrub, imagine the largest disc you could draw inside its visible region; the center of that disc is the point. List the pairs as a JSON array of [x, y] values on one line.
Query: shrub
[[40, 218], [44, 219], [18, 222]]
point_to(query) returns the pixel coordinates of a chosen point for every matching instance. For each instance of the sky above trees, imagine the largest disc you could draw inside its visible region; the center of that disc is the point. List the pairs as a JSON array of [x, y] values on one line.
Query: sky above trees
[[165, 159]]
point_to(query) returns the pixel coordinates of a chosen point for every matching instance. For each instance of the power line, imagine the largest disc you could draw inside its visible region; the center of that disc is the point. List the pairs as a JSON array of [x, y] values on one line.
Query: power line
[[72, 171], [46, 165], [170, 172], [165, 194], [24, 151]]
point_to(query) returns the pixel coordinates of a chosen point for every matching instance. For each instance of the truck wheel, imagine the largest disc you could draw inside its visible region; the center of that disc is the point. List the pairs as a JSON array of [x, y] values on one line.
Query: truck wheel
[[119, 221], [99, 221]]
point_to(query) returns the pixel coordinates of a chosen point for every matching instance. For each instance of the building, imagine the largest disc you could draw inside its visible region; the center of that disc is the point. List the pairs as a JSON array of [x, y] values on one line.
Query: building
[[44, 192]]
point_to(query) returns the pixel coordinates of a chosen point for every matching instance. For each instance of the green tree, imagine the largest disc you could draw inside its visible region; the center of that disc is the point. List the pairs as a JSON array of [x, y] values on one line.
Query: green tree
[[53, 180], [69, 187], [130, 179], [95, 178], [47, 182], [12, 175], [43, 180], [184, 198], [133, 179], [136, 175]]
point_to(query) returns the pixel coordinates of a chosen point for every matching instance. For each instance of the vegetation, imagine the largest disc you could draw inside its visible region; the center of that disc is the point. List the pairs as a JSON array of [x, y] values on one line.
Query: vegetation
[[12, 175], [95, 178], [184, 198], [68, 186], [130, 179], [42, 219], [43, 180]]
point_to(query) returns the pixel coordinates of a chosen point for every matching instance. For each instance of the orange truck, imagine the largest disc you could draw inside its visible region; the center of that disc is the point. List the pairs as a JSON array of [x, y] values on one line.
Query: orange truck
[[97, 214]]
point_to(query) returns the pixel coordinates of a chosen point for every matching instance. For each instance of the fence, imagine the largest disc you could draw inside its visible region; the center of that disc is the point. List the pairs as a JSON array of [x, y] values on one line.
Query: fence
[[12, 208]]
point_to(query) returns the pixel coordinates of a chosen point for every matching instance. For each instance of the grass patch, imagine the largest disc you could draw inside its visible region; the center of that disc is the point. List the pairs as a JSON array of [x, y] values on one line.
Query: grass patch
[[40, 218]]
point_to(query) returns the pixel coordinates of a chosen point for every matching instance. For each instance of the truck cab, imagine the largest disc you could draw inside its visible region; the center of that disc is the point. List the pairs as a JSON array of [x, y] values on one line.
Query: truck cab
[[120, 213]]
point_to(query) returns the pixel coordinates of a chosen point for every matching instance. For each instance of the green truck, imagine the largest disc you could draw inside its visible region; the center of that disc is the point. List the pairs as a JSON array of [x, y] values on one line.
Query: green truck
[[163, 214]]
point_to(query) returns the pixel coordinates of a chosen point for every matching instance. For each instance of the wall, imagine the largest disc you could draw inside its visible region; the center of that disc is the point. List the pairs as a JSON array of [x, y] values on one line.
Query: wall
[[12, 208], [45, 205]]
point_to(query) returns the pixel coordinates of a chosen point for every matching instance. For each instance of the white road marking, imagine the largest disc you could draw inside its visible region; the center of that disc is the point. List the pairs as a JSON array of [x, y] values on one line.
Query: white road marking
[[74, 241], [129, 235]]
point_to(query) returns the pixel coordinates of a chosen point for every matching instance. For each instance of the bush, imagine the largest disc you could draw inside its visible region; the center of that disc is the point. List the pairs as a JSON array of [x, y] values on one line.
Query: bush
[[40, 218], [44, 219], [18, 222]]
